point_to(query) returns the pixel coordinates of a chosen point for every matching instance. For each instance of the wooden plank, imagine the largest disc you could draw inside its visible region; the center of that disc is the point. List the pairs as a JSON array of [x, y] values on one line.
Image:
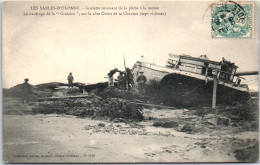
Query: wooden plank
[[214, 97], [153, 105], [60, 98], [247, 73]]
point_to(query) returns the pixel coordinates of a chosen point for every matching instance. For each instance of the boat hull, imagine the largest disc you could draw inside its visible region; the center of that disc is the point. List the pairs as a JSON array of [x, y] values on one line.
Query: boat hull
[[179, 89]]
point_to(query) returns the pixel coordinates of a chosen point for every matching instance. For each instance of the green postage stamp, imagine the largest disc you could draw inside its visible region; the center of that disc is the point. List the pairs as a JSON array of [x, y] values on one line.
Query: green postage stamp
[[232, 20]]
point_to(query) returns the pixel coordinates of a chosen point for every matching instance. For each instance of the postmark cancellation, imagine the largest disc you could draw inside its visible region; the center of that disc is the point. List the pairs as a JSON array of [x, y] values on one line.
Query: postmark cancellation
[[232, 20]]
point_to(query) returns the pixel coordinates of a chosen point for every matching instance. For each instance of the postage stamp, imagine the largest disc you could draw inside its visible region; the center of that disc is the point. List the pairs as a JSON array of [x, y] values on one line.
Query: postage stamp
[[232, 20]]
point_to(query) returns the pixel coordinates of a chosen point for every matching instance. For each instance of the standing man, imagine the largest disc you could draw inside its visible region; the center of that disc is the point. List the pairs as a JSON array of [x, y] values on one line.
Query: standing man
[[121, 80], [70, 80], [129, 78], [110, 77], [141, 80], [26, 91]]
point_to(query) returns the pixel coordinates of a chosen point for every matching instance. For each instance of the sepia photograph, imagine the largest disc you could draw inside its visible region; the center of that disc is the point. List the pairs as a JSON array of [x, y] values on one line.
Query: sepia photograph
[[130, 81]]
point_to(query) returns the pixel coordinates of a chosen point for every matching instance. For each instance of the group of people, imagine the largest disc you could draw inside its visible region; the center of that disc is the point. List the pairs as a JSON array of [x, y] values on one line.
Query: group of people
[[125, 79]]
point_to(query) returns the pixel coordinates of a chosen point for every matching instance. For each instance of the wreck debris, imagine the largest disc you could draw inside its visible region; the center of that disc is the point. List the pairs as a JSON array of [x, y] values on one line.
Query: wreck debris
[[166, 124], [93, 107], [187, 128]]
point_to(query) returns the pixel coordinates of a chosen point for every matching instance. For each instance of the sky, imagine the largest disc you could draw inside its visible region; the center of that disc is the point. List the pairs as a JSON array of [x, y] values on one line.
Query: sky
[[47, 48]]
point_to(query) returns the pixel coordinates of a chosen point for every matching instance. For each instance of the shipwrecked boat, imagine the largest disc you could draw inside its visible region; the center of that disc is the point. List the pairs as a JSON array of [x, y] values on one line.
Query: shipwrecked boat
[[187, 80]]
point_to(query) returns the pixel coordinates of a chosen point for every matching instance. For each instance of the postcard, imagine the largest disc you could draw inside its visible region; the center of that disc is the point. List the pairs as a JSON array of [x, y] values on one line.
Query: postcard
[[130, 81]]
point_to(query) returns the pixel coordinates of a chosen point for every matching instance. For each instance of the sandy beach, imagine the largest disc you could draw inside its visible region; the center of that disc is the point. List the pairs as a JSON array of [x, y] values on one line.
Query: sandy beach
[[58, 138]]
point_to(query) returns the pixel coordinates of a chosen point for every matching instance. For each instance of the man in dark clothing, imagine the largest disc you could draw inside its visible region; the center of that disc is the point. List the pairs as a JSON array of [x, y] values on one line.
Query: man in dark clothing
[[129, 78], [26, 87], [70, 80], [121, 80], [110, 77], [141, 80]]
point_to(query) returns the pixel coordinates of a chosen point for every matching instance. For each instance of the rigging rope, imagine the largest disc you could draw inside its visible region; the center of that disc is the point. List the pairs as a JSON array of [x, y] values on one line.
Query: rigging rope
[[251, 80], [192, 90]]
